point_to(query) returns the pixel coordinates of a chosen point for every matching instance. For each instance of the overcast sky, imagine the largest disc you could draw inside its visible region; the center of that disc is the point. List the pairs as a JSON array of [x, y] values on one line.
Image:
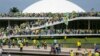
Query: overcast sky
[[5, 5]]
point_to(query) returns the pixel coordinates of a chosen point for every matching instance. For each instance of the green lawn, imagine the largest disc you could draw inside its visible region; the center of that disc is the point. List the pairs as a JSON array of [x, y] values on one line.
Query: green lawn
[[74, 40], [71, 42]]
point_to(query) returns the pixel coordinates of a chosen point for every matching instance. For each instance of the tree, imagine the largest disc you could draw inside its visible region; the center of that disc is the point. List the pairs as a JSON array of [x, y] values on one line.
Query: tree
[[92, 11], [14, 10]]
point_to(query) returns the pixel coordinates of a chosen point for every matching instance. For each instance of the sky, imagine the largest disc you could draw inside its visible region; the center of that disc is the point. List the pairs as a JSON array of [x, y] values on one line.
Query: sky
[[5, 5]]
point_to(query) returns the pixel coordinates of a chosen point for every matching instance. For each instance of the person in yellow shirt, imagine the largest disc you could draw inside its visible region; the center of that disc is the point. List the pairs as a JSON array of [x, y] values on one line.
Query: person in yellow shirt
[[96, 53], [13, 43], [89, 53], [78, 45], [24, 42], [65, 38], [27, 42], [21, 46], [71, 53], [45, 44]]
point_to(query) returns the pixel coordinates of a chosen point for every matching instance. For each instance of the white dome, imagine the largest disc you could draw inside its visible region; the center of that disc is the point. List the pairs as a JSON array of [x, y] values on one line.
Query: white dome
[[53, 6]]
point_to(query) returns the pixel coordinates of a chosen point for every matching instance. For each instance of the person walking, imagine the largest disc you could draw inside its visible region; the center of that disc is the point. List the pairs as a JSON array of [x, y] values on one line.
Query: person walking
[[21, 46], [9, 43], [71, 53], [24, 42], [96, 53], [34, 43], [1, 51], [1, 43], [89, 53], [58, 48], [18, 42], [52, 49], [78, 45], [45, 44], [38, 44], [27, 42], [55, 41], [13, 43]]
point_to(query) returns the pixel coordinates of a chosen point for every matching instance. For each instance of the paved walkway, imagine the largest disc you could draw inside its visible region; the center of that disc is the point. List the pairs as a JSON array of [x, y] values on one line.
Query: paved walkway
[[63, 50]]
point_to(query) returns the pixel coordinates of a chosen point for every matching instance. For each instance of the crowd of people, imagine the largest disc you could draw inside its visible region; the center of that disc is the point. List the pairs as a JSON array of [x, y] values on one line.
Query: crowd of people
[[27, 31], [82, 31], [19, 14], [72, 53], [39, 23], [25, 28], [71, 15], [37, 44]]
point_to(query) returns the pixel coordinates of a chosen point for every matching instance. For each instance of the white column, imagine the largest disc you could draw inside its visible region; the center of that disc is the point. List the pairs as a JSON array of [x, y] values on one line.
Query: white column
[[88, 24], [9, 24]]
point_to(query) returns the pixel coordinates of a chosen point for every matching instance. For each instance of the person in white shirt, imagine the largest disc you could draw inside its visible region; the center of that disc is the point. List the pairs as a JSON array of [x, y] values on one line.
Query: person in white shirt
[[55, 41]]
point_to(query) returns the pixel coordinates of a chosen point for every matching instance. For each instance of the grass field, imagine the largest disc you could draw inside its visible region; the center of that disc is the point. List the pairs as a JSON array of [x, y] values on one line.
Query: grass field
[[68, 40], [71, 42], [74, 40]]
